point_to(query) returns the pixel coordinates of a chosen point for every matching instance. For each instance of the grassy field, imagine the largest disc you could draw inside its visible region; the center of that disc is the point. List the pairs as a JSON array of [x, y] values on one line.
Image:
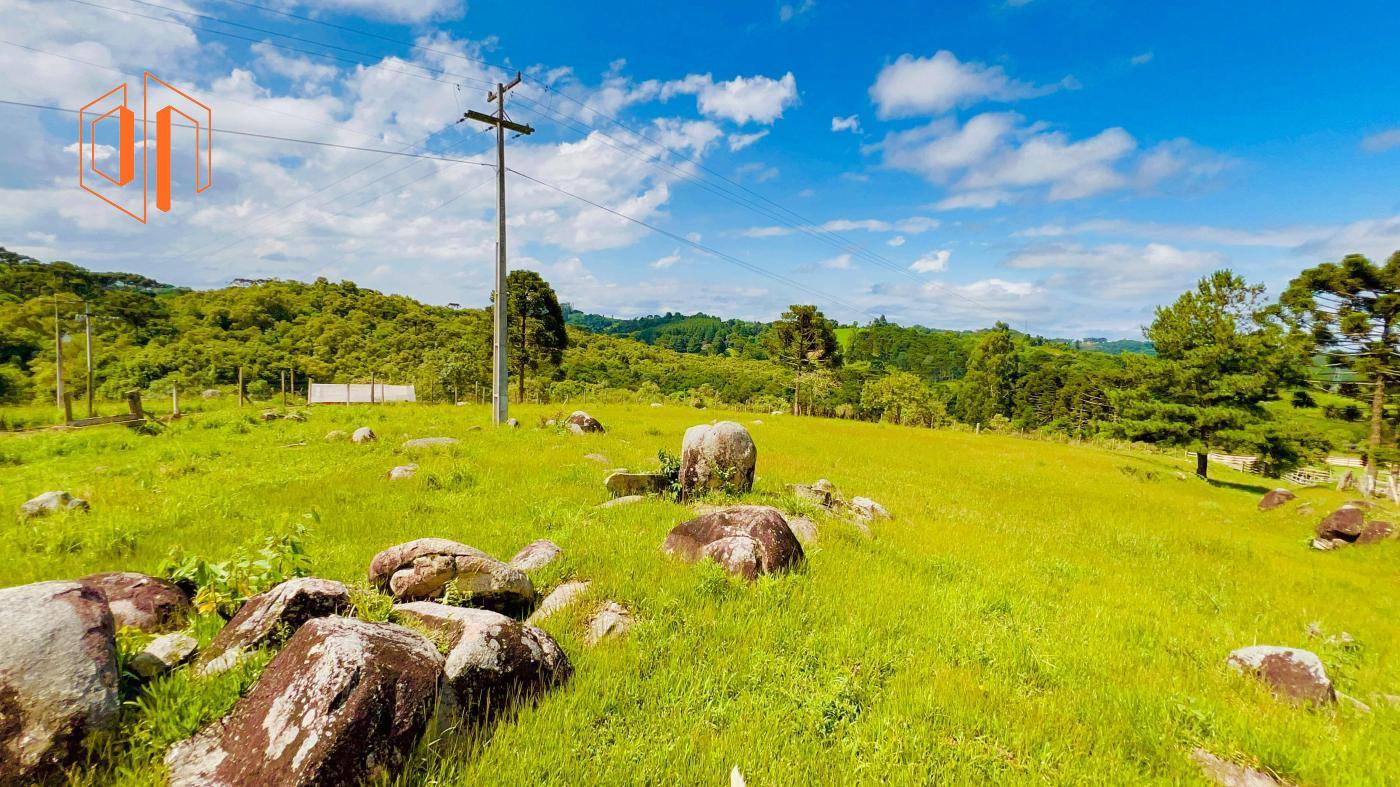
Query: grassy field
[[1036, 613]]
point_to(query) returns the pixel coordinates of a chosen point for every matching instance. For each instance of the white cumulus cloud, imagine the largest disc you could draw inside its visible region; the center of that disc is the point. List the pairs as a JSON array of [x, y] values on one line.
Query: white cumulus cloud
[[932, 85]]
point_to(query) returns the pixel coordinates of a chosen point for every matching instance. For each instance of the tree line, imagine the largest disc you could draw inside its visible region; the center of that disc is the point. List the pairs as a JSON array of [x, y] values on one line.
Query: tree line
[[1229, 365]]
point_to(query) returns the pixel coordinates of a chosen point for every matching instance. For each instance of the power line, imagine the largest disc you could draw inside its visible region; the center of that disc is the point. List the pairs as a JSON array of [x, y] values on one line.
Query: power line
[[277, 138], [695, 245], [803, 224]]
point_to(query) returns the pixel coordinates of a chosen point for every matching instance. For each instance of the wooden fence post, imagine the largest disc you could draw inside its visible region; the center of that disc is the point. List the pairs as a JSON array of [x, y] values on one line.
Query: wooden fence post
[[283, 378], [175, 401], [240, 386], [133, 403], [67, 407]]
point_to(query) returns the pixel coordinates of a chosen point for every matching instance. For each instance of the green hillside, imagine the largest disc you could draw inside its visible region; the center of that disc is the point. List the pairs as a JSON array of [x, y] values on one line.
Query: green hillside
[[1034, 613]]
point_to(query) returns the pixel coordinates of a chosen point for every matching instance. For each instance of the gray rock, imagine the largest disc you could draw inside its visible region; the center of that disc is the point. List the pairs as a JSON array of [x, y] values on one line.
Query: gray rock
[[363, 435], [612, 620], [560, 597], [269, 617], [536, 555], [869, 510], [1292, 673], [51, 503], [621, 501], [210, 393], [492, 661], [294, 416], [1228, 774], [721, 457], [142, 602], [1322, 544], [420, 443], [343, 703], [512, 423], [163, 654], [811, 494], [804, 528], [335, 436], [580, 422], [599, 458], [58, 677], [422, 569], [625, 484], [268, 415], [403, 472]]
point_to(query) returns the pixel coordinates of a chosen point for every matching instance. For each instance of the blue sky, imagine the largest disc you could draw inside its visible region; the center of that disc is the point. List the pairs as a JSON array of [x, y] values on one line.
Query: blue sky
[[1059, 164]]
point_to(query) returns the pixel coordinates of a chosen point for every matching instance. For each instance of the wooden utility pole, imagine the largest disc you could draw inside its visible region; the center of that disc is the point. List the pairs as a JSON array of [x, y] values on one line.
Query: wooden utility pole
[[58, 355], [500, 391], [87, 328]]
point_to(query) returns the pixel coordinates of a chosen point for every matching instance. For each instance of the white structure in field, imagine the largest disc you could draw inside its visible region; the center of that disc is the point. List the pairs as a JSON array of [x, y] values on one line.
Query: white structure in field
[[359, 393]]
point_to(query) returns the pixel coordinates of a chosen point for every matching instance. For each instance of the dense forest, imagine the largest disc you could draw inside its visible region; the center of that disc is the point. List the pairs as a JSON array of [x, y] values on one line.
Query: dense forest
[[1245, 385]]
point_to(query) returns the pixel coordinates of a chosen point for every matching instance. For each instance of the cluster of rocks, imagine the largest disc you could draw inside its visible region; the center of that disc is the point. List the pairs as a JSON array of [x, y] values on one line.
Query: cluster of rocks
[[58, 662], [825, 495], [1348, 525], [719, 457]]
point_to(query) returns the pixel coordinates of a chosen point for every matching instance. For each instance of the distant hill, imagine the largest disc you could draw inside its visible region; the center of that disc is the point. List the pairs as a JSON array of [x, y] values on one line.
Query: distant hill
[[1112, 346], [687, 333]]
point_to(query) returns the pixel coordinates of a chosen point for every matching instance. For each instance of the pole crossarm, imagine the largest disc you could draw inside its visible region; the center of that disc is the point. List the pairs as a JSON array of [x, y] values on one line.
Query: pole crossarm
[[491, 120]]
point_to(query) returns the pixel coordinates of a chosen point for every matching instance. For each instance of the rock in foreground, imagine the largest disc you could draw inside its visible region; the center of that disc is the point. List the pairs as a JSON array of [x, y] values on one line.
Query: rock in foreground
[[422, 569], [142, 602], [163, 654], [612, 620], [1292, 673], [718, 458], [1228, 774], [492, 661], [363, 435], [560, 597], [343, 703], [58, 676], [270, 616], [745, 540], [1375, 532]]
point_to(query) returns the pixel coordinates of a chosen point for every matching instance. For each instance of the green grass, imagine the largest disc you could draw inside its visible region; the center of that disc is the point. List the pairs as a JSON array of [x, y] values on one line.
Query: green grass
[[1037, 612]]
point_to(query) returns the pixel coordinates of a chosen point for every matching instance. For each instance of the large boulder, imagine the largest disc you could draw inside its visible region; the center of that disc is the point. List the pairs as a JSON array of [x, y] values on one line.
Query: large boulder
[[492, 660], [625, 484], [1275, 498], [422, 569], [343, 703], [536, 555], [51, 503], [1375, 531], [142, 602], [58, 676], [1345, 523], [721, 457], [271, 616], [745, 540], [580, 422], [1292, 673]]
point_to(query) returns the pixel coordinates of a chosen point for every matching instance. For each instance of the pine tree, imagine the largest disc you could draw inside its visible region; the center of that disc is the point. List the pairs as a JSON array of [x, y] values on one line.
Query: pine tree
[[1221, 353], [989, 389], [535, 325]]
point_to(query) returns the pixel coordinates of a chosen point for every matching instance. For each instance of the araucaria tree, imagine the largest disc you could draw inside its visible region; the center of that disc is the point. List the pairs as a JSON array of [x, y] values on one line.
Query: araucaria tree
[[1221, 353], [805, 341], [1349, 310], [535, 325], [989, 389]]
